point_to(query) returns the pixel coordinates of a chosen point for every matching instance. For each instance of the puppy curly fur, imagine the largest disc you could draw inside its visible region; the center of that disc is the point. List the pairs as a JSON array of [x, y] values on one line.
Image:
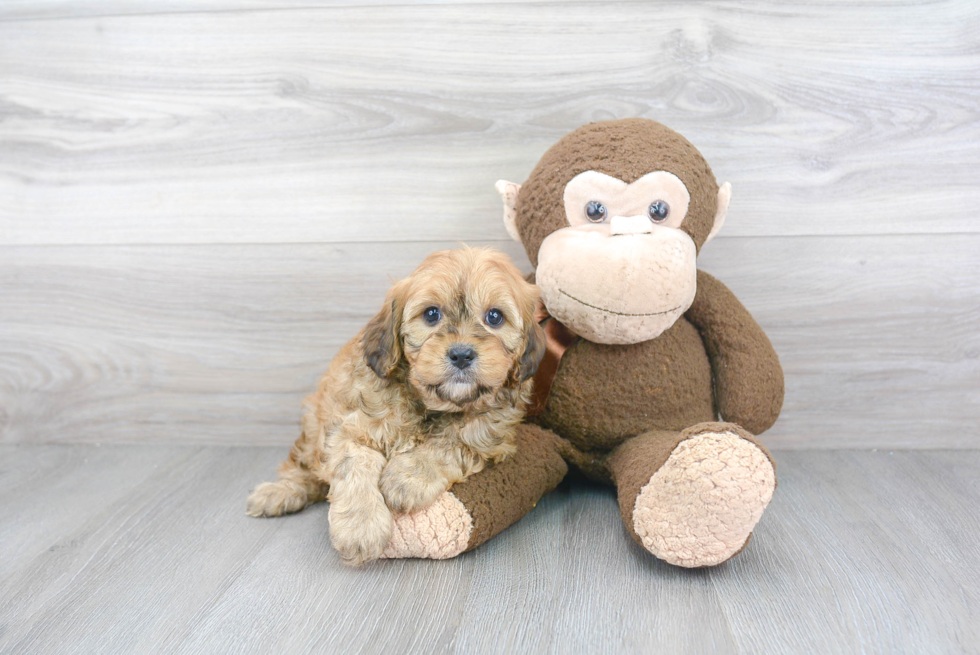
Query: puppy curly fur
[[393, 422]]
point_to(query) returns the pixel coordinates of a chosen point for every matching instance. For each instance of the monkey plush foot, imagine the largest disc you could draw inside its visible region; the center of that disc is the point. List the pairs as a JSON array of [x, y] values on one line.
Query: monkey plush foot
[[439, 531], [701, 505]]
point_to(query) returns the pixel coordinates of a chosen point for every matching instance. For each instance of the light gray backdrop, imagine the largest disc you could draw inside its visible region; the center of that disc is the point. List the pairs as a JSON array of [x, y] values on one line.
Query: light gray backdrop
[[200, 201]]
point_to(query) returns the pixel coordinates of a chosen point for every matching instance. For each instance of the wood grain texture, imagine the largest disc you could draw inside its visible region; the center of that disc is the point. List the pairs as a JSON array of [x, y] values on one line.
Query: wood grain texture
[[180, 344], [852, 556], [21, 10], [201, 201], [219, 344], [366, 123], [34, 521], [844, 539]]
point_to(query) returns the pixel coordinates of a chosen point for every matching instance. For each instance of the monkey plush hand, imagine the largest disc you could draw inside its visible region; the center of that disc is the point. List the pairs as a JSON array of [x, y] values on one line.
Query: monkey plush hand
[[613, 218]]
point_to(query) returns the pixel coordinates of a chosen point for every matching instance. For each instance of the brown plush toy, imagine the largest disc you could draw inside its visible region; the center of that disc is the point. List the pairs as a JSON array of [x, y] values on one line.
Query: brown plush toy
[[645, 353]]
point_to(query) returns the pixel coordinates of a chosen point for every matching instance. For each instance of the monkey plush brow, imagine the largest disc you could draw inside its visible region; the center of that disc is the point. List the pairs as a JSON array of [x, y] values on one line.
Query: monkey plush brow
[[623, 199]]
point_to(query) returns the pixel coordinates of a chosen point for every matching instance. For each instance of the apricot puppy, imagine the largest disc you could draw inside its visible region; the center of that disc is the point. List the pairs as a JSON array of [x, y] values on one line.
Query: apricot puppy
[[427, 394]]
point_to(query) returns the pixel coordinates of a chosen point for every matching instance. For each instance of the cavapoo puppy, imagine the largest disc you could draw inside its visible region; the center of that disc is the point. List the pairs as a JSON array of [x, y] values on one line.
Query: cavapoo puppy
[[428, 393]]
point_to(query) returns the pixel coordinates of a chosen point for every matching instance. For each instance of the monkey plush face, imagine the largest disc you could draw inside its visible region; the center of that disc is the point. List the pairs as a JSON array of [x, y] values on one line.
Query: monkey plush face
[[613, 218]]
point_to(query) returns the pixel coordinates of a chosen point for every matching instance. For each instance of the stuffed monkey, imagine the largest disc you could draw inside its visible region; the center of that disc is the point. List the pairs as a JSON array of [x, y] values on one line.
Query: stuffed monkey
[[645, 354]]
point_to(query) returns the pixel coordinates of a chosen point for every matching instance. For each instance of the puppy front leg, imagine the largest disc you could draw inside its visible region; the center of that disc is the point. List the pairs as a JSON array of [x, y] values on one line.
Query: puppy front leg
[[413, 480], [360, 522]]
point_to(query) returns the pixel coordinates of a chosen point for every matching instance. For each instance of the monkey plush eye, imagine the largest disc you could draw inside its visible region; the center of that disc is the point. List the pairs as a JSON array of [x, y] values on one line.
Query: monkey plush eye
[[494, 317], [432, 315], [596, 211], [658, 211]]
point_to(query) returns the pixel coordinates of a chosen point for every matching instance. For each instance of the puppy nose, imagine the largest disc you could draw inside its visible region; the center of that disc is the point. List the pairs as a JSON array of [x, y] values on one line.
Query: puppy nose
[[630, 225], [461, 356]]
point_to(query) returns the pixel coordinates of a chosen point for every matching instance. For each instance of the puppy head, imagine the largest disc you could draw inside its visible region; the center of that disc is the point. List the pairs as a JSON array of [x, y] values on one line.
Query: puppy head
[[463, 323]]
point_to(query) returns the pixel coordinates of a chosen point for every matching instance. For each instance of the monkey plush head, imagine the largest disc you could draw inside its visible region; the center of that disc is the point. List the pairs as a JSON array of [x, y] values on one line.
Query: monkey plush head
[[613, 217]]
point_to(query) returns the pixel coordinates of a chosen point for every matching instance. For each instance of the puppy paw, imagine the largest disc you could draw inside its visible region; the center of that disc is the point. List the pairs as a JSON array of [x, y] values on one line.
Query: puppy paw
[[360, 534], [276, 499], [409, 487]]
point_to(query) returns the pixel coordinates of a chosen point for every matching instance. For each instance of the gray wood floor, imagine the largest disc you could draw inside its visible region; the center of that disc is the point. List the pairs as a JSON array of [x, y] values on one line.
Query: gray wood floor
[[143, 549]]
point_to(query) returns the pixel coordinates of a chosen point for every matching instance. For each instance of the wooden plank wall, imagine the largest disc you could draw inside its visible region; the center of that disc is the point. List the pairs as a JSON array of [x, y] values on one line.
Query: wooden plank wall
[[200, 201]]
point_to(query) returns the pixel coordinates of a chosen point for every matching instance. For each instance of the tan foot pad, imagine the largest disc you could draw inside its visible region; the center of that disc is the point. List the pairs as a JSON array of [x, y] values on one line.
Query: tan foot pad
[[699, 508], [440, 531]]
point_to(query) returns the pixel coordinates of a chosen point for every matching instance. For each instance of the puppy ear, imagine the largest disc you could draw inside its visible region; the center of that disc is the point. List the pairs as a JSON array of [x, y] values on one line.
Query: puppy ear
[[382, 338], [536, 342]]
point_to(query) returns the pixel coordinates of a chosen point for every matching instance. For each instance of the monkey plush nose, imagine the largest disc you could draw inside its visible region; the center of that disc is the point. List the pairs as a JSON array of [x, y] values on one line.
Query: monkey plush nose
[[461, 356], [630, 225]]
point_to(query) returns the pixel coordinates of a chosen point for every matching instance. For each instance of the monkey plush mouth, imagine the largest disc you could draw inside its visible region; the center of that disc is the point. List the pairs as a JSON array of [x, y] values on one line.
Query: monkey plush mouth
[[609, 311]]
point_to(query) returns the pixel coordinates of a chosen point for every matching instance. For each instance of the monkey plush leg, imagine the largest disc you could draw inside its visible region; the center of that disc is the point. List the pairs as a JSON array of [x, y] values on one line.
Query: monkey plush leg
[[692, 498], [481, 507]]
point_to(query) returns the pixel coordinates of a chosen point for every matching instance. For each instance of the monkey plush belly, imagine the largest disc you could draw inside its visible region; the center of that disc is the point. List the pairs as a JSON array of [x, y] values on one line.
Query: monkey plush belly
[[604, 394]]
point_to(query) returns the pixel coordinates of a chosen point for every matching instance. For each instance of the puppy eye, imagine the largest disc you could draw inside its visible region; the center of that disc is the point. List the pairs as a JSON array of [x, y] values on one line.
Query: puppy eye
[[658, 211], [495, 317], [596, 211], [432, 315]]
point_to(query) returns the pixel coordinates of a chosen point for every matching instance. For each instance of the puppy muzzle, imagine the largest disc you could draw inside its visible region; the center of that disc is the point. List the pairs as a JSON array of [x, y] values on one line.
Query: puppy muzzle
[[461, 356]]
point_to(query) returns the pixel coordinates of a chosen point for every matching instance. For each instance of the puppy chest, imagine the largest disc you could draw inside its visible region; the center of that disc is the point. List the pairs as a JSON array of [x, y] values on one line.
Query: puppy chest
[[604, 394]]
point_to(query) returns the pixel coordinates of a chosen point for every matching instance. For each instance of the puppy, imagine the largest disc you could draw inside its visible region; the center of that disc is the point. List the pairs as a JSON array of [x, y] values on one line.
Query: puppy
[[427, 394]]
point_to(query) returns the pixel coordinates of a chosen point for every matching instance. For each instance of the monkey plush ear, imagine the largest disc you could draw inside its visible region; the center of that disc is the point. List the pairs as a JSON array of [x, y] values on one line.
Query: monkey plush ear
[[508, 193], [724, 197], [382, 338]]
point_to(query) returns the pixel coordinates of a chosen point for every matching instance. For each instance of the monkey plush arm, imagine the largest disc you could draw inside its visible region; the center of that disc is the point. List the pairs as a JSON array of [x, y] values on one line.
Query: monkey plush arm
[[748, 377], [485, 504]]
